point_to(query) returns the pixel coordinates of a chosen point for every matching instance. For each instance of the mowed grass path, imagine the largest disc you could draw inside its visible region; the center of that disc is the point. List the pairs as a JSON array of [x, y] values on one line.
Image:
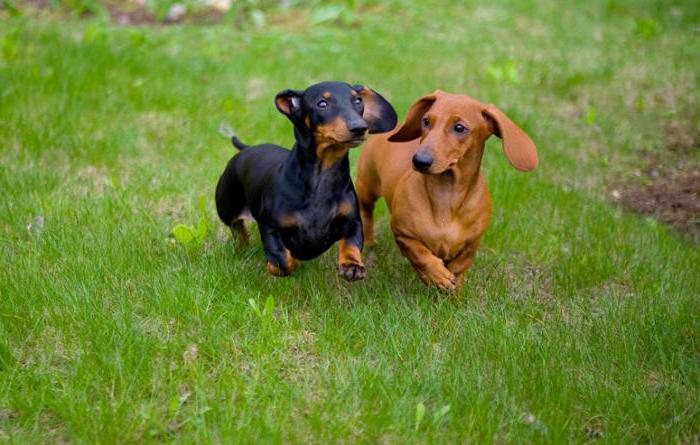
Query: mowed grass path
[[576, 321]]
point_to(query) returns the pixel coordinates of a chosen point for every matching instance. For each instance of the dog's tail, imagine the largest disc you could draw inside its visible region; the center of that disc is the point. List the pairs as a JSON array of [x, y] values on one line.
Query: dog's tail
[[228, 133]]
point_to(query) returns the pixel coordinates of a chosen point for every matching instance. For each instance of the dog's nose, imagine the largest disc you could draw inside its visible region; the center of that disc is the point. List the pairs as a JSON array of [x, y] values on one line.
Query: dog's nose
[[358, 129], [422, 161]]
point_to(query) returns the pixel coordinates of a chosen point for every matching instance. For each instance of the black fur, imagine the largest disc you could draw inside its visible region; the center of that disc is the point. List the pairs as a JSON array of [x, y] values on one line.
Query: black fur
[[274, 184]]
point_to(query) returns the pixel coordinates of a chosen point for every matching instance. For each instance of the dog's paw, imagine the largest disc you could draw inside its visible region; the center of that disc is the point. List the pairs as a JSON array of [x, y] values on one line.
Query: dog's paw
[[280, 272], [449, 286], [276, 271], [352, 271], [444, 280]]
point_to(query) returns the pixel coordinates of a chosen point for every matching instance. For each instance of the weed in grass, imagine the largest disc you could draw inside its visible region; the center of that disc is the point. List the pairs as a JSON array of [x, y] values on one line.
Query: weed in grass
[[193, 237], [420, 414]]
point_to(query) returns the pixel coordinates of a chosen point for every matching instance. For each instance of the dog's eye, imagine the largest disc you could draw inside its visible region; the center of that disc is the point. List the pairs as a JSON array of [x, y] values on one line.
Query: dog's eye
[[322, 104], [358, 100], [426, 122], [459, 128]]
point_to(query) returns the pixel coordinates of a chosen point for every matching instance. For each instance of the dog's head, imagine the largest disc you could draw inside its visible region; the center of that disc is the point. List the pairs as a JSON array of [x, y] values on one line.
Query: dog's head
[[337, 114], [450, 126]]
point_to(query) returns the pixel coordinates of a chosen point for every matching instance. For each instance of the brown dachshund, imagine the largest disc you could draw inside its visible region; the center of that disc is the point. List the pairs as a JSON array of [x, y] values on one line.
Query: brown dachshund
[[429, 175]]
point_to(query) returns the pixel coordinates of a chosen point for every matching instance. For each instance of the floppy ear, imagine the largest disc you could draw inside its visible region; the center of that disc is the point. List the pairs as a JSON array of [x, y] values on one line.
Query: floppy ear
[[517, 145], [379, 114], [411, 128], [288, 102]]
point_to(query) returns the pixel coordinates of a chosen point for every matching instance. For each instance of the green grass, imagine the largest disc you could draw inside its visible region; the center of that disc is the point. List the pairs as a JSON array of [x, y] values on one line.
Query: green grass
[[577, 321]]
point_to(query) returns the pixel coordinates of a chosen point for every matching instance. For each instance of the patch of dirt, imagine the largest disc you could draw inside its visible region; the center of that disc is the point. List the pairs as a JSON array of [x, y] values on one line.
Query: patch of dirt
[[671, 196], [35, 3], [683, 135], [134, 12], [666, 185], [674, 200], [126, 14]]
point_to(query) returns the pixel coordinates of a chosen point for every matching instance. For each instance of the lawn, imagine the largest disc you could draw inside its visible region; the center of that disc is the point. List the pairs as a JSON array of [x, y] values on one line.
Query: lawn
[[578, 320]]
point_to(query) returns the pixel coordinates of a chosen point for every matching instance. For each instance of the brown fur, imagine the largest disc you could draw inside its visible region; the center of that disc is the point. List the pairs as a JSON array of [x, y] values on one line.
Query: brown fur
[[350, 261], [289, 220], [345, 208], [370, 100], [328, 149], [438, 218]]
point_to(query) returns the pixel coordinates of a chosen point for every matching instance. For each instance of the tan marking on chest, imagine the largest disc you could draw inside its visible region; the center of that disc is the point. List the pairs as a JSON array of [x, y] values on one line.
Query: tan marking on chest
[[345, 208], [289, 220], [329, 155]]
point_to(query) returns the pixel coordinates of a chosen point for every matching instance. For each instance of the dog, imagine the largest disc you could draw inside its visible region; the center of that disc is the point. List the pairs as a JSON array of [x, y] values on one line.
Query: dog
[[428, 172], [303, 200]]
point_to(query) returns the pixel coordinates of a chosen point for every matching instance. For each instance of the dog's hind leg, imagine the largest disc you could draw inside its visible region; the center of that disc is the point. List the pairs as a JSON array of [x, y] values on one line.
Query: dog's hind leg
[[239, 232], [231, 205]]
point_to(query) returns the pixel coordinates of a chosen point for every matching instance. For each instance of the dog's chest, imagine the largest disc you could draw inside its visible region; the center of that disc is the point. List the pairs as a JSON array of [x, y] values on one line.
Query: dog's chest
[[310, 231], [445, 233], [445, 238], [313, 220], [444, 221]]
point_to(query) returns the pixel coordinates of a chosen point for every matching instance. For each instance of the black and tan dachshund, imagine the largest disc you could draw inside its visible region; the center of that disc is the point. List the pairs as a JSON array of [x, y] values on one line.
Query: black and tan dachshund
[[303, 200]]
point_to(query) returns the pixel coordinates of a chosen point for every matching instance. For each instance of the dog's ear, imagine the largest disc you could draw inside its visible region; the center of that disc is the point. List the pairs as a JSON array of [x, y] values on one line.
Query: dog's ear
[[411, 128], [379, 114], [289, 103], [517, 145]]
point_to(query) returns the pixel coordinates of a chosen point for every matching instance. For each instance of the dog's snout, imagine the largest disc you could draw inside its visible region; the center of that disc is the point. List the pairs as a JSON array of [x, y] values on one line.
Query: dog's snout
[[422, 161], [358, 128]]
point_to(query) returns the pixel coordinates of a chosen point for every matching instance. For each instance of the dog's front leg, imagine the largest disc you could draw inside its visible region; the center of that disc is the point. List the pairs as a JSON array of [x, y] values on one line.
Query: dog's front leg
[[461, 262], [279, 261], [350, 264], [431, 269]]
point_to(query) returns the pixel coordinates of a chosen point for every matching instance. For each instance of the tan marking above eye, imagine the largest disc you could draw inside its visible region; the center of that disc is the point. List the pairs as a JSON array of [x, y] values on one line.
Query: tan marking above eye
[[327, 95]]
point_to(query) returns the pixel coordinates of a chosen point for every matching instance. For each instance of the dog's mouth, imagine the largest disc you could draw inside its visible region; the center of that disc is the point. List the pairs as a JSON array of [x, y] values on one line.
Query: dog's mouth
[[431, 172], [353, 142], [425, 171]]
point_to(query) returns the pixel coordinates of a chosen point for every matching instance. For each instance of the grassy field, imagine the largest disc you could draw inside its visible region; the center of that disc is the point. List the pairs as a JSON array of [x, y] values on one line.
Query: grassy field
[[577, 321]]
